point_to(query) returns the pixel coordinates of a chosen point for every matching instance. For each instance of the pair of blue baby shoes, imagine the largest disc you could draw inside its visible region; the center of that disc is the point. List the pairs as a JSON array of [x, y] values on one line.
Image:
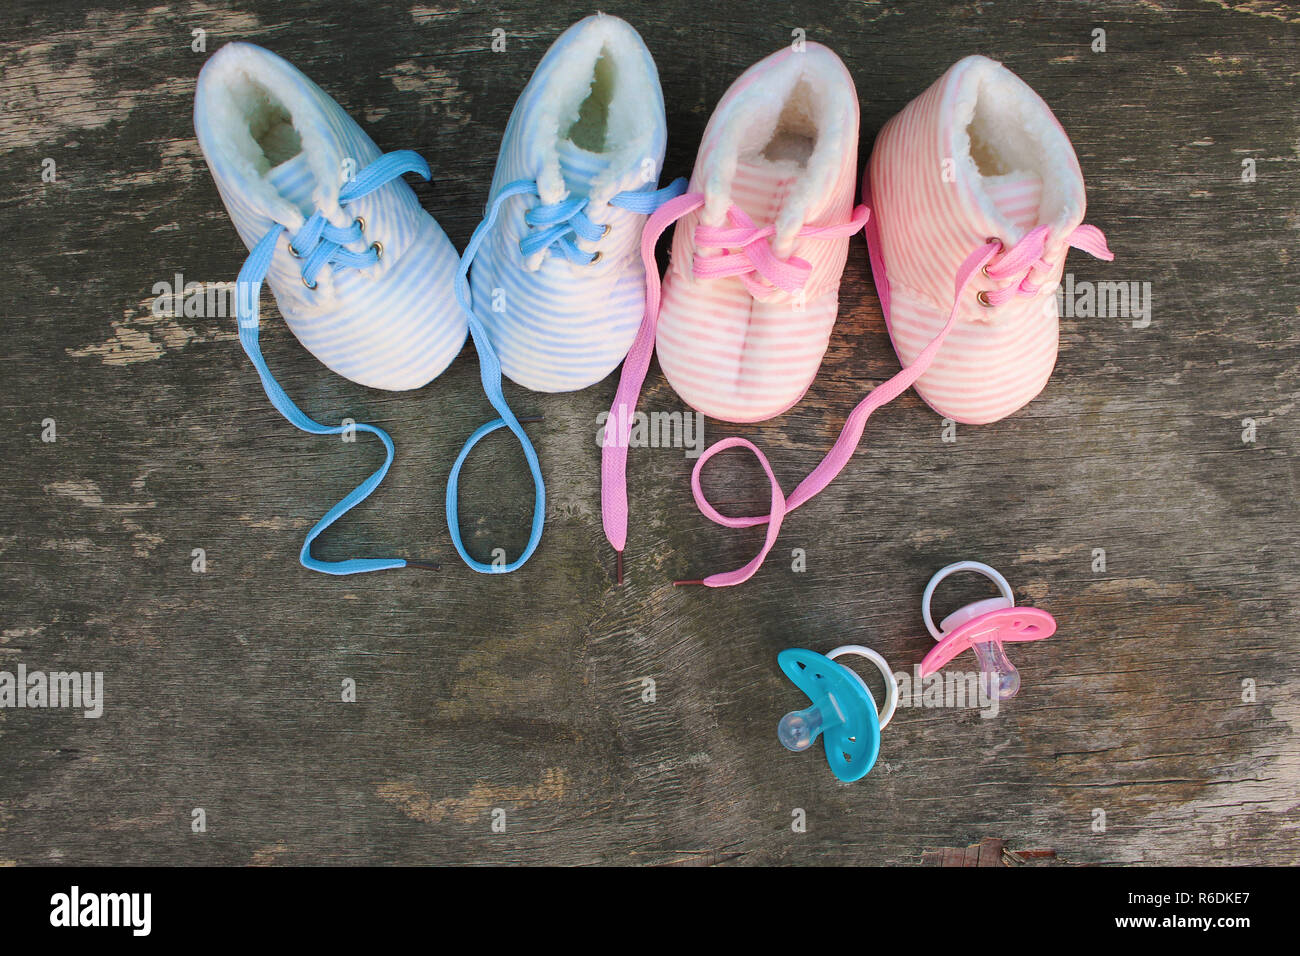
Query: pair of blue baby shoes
[[371, 285]]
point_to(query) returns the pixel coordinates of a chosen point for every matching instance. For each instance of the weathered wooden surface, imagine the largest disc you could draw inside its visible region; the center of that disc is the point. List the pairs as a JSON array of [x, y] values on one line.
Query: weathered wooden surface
[[524, 693]]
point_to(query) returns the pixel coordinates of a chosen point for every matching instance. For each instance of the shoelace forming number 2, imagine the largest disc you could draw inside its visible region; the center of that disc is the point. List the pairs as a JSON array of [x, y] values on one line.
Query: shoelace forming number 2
[[319, 243]]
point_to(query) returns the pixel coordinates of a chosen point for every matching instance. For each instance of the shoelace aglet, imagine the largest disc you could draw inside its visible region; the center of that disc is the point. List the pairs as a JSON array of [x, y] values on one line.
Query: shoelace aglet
[[530, 419], [679, 584], [424, 565], [618, 568]]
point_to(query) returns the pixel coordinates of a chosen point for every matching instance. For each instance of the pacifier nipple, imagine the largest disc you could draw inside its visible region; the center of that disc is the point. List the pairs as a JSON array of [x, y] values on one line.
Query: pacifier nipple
[[800, 728], [995, 667]]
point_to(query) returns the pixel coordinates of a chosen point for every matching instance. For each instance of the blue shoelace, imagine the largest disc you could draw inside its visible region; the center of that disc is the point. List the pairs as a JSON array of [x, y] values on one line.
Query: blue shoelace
[[319, 243], [563, 224]]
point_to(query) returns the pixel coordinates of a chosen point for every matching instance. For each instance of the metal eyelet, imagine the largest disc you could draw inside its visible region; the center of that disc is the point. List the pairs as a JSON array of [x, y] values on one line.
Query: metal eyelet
[[983, 298], [294, 252], [360, 222], [607, 228], [595, 257], [988, 241], [310, 285], [379, 249]]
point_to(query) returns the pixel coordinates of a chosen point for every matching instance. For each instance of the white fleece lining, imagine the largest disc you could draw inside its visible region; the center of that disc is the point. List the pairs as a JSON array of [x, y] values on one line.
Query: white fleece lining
[[591, 129], [272, 127], [1003, 130], [624, 79], [246, 93], [795, 136], [799, 114]]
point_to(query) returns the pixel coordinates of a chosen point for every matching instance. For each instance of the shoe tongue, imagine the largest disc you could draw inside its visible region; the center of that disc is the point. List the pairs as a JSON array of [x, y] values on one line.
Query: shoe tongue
[[762, 188], [294, 180], [1017, 197], [579, 167]]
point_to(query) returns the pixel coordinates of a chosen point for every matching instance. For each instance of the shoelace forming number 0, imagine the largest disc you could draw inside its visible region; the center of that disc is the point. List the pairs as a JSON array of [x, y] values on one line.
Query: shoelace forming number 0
[[563, 222]]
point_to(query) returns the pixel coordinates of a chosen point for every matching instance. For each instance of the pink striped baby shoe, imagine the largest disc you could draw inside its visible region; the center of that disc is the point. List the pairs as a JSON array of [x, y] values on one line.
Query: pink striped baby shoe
[[977, 160], [752, 291], [762, 236]]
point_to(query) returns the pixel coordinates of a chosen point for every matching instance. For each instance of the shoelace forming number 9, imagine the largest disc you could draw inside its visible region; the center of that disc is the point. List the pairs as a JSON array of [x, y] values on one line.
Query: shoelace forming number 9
[[755, 257]]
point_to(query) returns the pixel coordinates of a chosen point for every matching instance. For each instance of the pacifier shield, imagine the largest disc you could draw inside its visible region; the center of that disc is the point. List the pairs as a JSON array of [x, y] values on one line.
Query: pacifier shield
[[1004, 625]]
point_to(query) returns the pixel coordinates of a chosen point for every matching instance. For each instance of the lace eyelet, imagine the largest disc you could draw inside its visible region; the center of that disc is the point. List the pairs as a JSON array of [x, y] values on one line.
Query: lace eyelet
[[309, 285], [607, 229], [294, 252], [595, 257], [988, 241], [379, 249], [983, 298], [360, 222]]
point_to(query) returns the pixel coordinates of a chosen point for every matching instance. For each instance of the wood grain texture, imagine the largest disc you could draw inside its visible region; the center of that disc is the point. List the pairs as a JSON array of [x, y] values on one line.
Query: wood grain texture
[[525, 692]]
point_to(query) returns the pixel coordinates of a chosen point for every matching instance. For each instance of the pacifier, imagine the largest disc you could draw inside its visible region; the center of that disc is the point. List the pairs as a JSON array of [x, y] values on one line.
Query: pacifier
[[843, 712], [984, 627]]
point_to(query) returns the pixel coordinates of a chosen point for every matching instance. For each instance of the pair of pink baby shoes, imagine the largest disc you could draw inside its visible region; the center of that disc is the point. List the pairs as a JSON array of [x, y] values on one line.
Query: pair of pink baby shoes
[[971, 200]]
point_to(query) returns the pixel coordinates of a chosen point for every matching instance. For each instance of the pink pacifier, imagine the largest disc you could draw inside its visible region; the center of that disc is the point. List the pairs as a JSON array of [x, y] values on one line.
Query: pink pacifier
[[983, 627]]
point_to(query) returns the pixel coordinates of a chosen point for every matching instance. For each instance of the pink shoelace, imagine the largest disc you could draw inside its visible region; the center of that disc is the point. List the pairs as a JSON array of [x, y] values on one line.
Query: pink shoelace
[[756, 263], [1017, 266]]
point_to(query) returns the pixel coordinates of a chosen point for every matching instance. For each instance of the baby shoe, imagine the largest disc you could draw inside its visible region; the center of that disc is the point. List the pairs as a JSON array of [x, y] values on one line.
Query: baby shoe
[[558, 282], [752, 291], [363, 281], [362, 274], [558, 289], [976, 161]]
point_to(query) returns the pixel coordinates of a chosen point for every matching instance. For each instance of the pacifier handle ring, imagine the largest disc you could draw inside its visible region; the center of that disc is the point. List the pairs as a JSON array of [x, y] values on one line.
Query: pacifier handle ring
[[978, 567], [886, 711]]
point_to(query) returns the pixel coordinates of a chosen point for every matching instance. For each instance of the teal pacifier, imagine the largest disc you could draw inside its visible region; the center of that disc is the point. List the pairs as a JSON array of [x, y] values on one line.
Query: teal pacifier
[[843, 712]]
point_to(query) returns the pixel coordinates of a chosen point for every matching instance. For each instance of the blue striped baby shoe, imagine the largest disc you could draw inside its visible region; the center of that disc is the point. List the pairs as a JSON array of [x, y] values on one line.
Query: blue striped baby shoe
[[362, 274], [557, 279], [558, 286]]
